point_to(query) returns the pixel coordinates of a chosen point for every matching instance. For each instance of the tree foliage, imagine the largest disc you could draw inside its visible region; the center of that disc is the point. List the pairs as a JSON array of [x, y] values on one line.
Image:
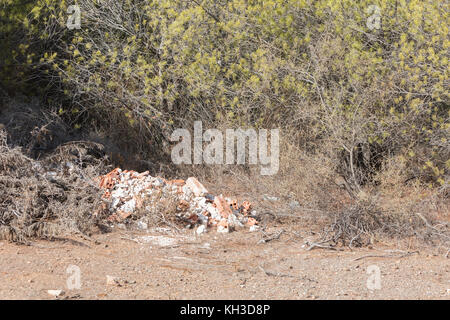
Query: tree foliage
[[315, 67]]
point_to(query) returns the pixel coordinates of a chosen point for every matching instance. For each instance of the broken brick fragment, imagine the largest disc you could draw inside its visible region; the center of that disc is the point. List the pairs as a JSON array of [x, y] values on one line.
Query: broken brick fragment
[[122, 215], [143, 174], [222, 226], [223, 206], [251, 221], [246, 206], [183, 205], [234, 204], [178, 182]]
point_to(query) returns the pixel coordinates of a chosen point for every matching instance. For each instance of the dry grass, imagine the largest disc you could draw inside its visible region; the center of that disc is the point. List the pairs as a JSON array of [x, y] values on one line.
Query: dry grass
[[51, 197], [389, 207]]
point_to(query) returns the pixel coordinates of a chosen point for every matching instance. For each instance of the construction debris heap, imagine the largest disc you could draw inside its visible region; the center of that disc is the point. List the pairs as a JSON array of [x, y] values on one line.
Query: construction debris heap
[[125, 192]]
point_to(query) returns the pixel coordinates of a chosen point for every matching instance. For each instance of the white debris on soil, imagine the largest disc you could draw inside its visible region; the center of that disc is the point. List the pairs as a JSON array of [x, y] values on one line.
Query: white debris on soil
[[201, 229], [142, 225], [112, 281], [158, 240], [270, 198], [129, 191], [55, 293]]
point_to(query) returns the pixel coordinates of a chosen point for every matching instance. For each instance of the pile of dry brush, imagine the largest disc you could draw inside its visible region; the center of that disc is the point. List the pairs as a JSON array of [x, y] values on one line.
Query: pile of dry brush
[[54, 196]]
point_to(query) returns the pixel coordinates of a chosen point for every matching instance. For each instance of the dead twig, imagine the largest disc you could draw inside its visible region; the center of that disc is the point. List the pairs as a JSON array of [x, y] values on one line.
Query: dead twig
[[278, 274], [131, 239], [271, 237], [386, 255], [313, 245]]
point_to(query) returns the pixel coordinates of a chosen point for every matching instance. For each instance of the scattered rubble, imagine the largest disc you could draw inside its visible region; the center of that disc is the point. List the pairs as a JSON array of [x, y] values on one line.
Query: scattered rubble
[[126, 192]]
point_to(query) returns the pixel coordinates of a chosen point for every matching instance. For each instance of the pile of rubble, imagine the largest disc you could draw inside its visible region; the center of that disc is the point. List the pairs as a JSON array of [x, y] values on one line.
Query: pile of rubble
[[125, 192]]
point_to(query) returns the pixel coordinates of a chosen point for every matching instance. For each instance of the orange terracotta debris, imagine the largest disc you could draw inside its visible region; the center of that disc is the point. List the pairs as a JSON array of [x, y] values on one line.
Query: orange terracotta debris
[[223, 226], [234, 204], [251, 221], [107, 181], [223, 223], [183, 205], [143, 174], [193, 218], [246, 207], [123, 215], [178, 182], [223, 206]]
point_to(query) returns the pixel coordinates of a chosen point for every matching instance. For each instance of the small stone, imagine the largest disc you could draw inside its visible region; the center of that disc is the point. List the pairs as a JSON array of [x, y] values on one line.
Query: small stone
[[142, 225], [121, 226], [201, 229], [206, 245], [254, 228], [196, 187], [112, 281], [270, 198], [223, 229], [55, 293]]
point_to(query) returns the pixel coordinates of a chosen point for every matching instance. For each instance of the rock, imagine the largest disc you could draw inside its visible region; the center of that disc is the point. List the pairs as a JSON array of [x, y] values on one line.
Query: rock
[[294, 204], [142, 225], [222, 206], [129, 206], [206, 245], [254, 228], [201, 229], [213, 211], [55, 293], [121, 226], [223, 229], [270, 198], [112, 281], [196, 187], [233, 222], [203, 219], [222, 226]]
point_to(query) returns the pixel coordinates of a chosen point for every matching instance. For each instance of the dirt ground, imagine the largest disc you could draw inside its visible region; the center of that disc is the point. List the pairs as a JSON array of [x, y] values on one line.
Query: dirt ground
[[159, 264]]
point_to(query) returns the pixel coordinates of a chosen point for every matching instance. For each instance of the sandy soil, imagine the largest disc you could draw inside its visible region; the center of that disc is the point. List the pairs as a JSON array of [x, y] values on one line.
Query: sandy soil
[[159, 264]]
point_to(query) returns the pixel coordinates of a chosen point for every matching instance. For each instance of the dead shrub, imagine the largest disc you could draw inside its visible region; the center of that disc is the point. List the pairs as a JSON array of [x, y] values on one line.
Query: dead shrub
[[162, 212], [52, 197]]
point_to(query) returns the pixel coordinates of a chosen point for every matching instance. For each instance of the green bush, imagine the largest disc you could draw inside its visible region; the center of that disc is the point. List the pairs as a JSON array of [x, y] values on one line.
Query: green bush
[[354, 92]]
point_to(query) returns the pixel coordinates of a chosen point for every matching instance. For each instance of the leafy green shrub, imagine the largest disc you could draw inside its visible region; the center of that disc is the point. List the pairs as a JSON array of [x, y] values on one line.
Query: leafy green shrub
[[355, 94]]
